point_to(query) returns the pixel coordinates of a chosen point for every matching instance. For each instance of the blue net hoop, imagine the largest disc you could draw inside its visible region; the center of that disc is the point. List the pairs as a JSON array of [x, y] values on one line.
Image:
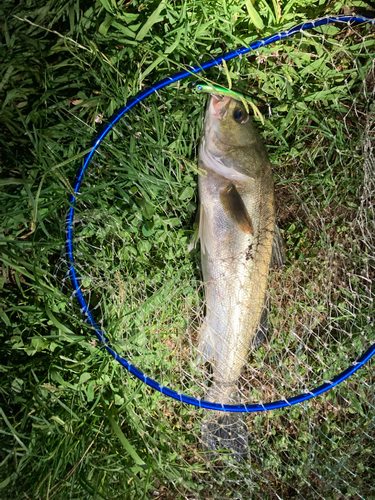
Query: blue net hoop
[[75, 279]]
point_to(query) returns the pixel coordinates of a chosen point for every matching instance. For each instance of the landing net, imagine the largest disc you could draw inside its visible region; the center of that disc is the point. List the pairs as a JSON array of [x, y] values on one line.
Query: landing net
[[144, 289]]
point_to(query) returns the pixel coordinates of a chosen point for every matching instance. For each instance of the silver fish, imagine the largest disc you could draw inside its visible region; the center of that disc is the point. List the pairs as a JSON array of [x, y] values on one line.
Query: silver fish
[[236, 229]]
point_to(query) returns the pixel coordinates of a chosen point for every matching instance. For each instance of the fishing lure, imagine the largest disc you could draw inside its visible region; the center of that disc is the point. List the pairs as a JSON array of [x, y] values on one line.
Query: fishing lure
[[244, 97], [219, 90]]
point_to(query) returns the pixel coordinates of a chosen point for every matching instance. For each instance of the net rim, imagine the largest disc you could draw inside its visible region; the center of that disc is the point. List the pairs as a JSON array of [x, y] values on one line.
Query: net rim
[[69, 227]]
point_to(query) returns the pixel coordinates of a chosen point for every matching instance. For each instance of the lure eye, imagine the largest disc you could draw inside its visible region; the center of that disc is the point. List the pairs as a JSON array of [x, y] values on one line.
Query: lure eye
[[238, 116]]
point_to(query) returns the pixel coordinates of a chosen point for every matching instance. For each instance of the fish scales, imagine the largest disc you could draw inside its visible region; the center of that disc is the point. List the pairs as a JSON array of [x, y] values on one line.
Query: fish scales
[[237, 221], [235, 272]]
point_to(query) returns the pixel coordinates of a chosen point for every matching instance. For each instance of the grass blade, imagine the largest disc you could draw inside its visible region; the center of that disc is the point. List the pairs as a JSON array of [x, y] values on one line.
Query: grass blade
[[254, 16], [13, 431], [125, 443], [154, 18]]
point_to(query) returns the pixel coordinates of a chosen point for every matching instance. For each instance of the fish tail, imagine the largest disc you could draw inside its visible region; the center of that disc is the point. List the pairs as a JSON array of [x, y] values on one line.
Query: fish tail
[[224, 432]]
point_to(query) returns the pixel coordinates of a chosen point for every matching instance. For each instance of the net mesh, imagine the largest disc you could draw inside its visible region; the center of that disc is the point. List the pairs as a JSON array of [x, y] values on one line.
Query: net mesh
[[135, 218]]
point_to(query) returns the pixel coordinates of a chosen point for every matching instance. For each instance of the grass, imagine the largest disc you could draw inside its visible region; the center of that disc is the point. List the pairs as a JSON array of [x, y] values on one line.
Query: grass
[[74, 424]]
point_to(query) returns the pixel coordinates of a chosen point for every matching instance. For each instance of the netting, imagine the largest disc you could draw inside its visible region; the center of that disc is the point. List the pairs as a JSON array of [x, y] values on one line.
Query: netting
[[144, 288]]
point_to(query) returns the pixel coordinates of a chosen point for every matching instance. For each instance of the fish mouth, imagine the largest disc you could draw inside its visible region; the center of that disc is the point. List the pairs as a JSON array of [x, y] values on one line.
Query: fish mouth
[[219, 105]]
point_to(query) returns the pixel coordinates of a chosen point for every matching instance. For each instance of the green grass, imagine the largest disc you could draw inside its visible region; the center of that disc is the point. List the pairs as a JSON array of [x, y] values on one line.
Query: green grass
[[74, 424]]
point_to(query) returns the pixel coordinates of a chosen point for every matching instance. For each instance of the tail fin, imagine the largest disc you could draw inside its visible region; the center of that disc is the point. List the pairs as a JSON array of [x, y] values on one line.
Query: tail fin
[[224, 432]]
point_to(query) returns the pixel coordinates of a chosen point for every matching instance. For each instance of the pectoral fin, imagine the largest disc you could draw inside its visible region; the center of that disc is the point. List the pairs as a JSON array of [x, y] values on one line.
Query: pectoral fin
[[235, 208]]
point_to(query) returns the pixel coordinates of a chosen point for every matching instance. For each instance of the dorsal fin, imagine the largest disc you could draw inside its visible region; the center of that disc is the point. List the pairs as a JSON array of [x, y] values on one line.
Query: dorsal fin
[[278, 258]]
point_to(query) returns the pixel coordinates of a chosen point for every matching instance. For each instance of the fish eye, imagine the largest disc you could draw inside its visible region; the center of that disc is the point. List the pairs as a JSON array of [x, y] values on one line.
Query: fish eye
[[238, 115]]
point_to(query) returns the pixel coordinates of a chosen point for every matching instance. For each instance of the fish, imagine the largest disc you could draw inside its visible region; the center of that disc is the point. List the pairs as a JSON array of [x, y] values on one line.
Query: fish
[[239, 242]]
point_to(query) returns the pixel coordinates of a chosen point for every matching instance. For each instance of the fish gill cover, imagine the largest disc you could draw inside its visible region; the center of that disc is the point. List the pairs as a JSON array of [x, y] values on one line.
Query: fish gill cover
[[135, 216]]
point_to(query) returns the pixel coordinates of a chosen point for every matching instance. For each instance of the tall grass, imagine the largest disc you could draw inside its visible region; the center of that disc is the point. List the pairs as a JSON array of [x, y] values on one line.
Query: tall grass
[[74, 425]]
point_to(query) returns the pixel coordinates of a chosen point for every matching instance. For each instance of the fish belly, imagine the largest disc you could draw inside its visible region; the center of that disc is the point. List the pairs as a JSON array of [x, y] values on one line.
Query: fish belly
[[235, 266]]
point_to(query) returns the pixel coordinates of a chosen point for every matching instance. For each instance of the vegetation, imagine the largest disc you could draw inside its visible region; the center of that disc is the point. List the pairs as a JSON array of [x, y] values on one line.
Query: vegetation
[[74, 423]]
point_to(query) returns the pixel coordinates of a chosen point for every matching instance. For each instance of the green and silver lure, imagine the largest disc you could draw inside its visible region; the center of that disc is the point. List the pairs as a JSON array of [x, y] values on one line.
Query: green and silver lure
[[245, 98]]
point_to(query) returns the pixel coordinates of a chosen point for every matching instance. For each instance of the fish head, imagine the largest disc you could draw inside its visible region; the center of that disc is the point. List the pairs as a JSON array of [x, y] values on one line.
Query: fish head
[[230, 121], [230, 145]]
